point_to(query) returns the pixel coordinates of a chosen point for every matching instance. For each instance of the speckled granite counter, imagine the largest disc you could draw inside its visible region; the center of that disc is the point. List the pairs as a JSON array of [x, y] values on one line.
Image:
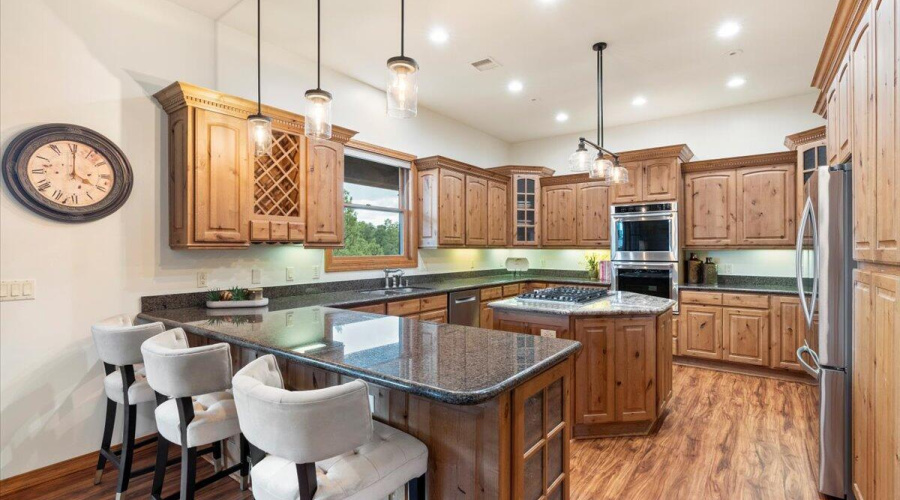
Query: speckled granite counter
[[448, 363], [751, 284], [614, 304]]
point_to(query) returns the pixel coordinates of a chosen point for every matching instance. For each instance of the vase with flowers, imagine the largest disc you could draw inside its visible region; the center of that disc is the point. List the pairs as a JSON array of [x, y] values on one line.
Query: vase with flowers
[[592, 264]]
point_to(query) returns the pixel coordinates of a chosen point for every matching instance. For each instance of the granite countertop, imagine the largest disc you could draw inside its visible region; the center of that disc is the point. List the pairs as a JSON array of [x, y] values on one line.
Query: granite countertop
[[449, 363], [753, 284], [614, 304]]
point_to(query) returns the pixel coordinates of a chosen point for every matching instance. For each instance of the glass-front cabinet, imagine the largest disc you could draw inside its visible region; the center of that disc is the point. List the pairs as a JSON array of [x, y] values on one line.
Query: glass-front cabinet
[[527, 190]]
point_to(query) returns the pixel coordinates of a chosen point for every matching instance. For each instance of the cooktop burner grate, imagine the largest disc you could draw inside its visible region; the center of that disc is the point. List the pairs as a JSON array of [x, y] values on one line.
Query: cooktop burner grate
[[569, 294]]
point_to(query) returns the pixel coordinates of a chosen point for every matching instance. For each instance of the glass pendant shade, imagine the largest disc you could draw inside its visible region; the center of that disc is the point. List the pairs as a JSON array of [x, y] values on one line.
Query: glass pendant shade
[[402, 87], [260, 127], [619, 175], [318, 114], [580, 161], [601, 168]]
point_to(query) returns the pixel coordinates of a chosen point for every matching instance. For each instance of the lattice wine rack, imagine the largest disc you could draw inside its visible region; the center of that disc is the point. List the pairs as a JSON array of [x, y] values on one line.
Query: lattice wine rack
[[278, 177]]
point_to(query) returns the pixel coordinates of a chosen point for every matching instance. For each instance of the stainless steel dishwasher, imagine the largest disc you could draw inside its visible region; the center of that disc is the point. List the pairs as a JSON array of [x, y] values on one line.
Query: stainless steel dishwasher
[[464, 308]]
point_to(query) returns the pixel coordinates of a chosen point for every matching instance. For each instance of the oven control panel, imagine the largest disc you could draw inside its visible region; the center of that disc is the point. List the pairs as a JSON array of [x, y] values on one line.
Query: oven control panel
[[644, 208]]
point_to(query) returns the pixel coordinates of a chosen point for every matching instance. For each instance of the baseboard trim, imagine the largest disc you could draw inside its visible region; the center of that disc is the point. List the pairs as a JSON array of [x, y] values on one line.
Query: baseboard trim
[[755, 371], [80, 464]]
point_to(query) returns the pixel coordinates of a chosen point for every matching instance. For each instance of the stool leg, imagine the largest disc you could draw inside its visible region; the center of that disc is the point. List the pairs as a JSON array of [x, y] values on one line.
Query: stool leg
[[107, 437], [245, 462], [217, 456], [417, 488], [188, 472], [159, 471], [127, 454]]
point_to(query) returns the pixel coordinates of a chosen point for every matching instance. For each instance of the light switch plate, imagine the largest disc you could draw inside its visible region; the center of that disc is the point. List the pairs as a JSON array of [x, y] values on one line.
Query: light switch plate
[[289, 274], [202, 278], [256, 276], [316, 274], [16, 290]]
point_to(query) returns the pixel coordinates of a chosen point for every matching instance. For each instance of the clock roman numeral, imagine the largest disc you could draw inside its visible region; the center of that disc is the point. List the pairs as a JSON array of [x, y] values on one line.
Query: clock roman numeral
[[55, 149], [44, 185], [101, 189], [105, 176], [89, 153], [74, 198], [57, 194], [38, 171], [100, 164], [89, 195], [41, 157], [73, 148]]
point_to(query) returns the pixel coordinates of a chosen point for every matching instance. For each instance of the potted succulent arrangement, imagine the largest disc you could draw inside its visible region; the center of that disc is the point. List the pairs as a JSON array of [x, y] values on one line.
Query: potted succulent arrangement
[[235, 297]]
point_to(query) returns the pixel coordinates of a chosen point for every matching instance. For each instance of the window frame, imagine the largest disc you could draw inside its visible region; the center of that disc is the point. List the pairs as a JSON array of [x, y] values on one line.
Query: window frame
[[408, 222]]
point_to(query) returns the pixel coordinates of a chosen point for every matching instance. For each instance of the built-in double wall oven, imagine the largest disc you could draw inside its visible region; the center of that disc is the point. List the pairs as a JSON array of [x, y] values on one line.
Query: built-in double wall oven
[[644, 250]]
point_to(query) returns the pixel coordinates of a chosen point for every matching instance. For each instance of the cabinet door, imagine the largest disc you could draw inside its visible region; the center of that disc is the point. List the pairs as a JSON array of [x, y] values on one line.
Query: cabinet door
[[745, 336], [526, 217], [498, 214], [831, 126], [843, 129], [439, 316], [701, 332], [862, 132], [325, 185], [428, 208], [451, 208], [558, 205], [664, 326], [886, 324], [767, 206], [635, 346], [221, 179], [788, 333], [660, 180], [863, 403], [630, 192], [885, 167], [595, 383], [592, 225], [476, 211], [711, 209]]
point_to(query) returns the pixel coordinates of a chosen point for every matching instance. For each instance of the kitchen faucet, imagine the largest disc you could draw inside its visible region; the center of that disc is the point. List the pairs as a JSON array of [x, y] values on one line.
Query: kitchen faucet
[[392, 277]]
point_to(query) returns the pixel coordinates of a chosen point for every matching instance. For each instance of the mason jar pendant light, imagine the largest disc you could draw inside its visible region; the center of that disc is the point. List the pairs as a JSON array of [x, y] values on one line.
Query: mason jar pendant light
[[318, 101], [600, 167], [259, 124], [402, 79]]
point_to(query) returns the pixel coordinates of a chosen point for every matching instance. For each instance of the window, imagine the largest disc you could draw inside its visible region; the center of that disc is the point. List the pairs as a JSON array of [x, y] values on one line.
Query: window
[[378, 228]]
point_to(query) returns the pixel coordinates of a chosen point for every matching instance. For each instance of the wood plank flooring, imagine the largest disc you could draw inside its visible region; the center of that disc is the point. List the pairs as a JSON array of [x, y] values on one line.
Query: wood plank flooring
[[727, 436]]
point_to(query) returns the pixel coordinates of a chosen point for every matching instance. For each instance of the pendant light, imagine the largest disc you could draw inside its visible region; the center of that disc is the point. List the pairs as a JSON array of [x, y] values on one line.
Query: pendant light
[[260, 125], [402, 78], [600, 166], [318, 101]]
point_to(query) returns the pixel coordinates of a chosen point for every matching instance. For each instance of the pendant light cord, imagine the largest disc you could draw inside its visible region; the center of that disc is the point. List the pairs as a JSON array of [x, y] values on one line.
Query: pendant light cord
[[402, 26], [258, 58], [600, 97], [318, 44]]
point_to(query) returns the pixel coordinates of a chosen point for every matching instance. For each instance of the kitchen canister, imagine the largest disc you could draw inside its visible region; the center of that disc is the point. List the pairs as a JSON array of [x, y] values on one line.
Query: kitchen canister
[[710, 272], [694, 269]]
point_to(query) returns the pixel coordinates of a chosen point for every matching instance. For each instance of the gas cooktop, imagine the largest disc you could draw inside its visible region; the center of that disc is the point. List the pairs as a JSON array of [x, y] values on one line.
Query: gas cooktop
[[570, 294]]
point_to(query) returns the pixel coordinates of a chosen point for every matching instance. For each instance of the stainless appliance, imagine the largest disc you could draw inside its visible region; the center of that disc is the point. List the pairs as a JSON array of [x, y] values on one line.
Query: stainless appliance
[[645, 232], [824, 279], [659, 279], [464, 308], [570, 294]]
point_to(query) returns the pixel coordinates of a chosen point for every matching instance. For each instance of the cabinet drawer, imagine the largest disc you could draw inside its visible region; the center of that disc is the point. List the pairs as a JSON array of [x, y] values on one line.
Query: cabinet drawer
[[259, 230], [745, 300], [494, 292], [510, 290], [374, 308], [278, 231], [434, 316], [403, 307], [705, 298], [434, 303], [296, 231]]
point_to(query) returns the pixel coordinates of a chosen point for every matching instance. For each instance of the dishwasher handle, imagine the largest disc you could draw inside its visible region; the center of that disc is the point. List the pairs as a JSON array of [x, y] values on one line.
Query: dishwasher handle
[[464, 300]]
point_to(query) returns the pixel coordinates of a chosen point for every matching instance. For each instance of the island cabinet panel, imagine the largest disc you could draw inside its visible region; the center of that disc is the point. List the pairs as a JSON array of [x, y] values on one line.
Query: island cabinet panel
[[498, 214], [451, 208], [745, 336], [592, 224], [766, 206], [660, 180], [711, 209], [559, 208], [221, 179], [631, 191], [476, 211], [595, 370], [635, 362], [701, 331], [325, 185], [665, 325]]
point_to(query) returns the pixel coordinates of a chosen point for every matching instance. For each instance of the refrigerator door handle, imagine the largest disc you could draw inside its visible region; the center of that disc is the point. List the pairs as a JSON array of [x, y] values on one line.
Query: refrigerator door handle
[[814, 371], [809, 217]]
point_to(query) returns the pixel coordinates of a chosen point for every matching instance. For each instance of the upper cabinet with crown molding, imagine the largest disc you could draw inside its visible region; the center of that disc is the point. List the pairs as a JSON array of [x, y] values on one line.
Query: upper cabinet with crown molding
[[653, 174], [221, 196]]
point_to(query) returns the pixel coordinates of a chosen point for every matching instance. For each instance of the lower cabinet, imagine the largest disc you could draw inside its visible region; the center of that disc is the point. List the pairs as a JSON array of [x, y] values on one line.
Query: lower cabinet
[[789, 332], [745, 336], [595, 369], [702, 331]]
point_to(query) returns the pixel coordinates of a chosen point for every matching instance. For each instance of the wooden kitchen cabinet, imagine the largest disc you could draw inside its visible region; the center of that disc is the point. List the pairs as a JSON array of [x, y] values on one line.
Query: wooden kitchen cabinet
[[862, 88], [661, 180], [451, 208], [710, 209], [498, 214], [843, 90], [595, 371], [766, 205], [745, 336], [653, 175], [863, 386], [635, 347], [325, 204], [631, 191], [701, 331], [476, 211], [592, 221], [559, 208], [524, 205], [833, 124], [789, 333]]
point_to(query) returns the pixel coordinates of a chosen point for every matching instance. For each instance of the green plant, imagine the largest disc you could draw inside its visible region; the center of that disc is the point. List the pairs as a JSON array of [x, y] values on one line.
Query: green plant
[[212, 295], [592, 262], [238, 293]]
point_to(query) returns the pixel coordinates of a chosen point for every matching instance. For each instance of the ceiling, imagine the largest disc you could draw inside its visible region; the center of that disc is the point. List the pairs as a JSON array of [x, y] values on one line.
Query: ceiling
[[666, 51]]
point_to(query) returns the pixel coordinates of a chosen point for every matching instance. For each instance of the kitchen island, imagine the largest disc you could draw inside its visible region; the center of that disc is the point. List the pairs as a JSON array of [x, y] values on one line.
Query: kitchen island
[[623, 375], [491, 407]]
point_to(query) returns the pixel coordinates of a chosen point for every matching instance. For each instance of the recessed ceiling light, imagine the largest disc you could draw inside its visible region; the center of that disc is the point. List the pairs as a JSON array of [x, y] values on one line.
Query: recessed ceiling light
[[728, 29], [515, 86], [438, 35], [736, 81], [561, 117], [639, 101]]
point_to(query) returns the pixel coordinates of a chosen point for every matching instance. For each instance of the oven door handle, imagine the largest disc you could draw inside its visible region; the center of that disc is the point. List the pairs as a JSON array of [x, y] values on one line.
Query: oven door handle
[[643, 216]]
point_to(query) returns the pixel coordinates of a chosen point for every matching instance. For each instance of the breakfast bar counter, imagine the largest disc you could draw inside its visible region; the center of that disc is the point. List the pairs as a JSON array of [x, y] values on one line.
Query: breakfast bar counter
[[489, 405]]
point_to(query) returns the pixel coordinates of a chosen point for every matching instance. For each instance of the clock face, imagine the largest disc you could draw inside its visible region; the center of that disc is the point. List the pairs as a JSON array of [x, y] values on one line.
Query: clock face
[[70, 173]]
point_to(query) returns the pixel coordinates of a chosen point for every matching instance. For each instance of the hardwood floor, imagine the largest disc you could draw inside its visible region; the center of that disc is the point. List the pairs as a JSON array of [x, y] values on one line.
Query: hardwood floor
[[727, 436]]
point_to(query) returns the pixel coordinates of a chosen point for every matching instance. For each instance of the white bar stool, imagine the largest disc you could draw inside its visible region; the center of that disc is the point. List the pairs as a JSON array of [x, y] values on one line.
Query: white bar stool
[[200, 412], [118, 342], [322, 444]]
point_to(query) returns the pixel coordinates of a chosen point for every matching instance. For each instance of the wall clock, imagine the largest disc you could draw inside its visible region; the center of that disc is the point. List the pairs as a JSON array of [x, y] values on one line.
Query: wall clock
[[67, 173]]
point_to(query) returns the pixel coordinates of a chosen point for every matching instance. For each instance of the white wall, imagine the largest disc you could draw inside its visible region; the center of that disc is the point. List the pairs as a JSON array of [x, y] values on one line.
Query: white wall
[[779, 263], [736, 131]]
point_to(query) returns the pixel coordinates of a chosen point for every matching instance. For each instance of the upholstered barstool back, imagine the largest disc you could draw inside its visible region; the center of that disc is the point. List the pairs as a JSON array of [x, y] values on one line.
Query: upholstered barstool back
[[176, 370], [322, 444], [118, 339]]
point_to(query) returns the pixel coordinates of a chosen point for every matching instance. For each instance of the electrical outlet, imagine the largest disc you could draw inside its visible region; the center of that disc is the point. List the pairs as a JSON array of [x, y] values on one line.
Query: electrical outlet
[[289, 318], [202, 277], [289, 274], [727, 268], [316, 274], [17, 290], [255, 276]]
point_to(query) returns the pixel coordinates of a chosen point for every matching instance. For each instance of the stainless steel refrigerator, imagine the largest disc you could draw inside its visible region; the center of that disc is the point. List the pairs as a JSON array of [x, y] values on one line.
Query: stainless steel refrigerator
[[824, 279]]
